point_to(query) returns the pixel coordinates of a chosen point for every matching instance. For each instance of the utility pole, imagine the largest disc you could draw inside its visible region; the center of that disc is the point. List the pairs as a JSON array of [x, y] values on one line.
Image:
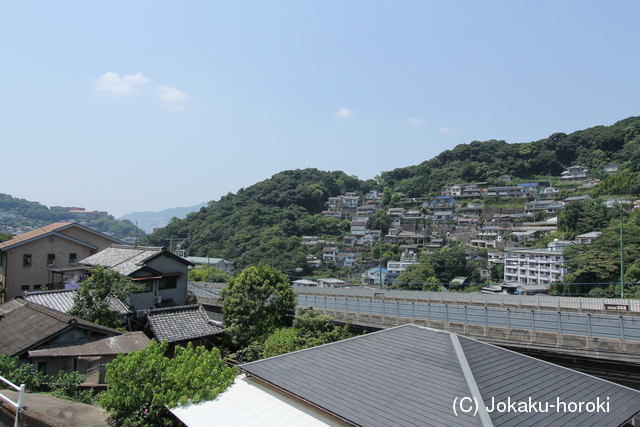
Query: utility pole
[[380, 269], [621, 256]]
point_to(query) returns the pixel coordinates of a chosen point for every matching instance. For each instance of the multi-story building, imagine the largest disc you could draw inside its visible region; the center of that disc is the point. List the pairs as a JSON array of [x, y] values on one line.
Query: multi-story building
[[395, 268], [48, 257], [574, 173], [536, 266]]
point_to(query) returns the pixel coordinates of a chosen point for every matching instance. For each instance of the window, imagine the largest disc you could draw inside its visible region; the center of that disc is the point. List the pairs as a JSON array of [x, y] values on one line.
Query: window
[[168, 282], [24, 287], [148, 285], [26, 260], [37, 287], [73, 259], [51, 260]]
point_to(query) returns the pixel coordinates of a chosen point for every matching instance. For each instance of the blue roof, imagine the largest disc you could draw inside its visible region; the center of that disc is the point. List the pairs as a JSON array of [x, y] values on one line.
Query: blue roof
[[527, 184]]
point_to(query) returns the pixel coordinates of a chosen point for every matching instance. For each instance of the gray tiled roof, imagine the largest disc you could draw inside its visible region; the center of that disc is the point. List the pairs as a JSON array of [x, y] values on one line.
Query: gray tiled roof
[[181, 323], [63, 300], [125, 260], [411, 375], [126, 343], [24, 325]]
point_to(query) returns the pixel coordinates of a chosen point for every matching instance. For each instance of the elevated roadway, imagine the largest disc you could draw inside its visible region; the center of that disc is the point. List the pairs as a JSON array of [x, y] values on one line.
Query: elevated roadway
[[600, 329]]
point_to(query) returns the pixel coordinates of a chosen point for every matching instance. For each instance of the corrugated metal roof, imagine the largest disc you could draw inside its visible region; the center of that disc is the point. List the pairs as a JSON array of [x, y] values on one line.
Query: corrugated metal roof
[[63, 300], [411, 375], [128, 342], [181, 323]]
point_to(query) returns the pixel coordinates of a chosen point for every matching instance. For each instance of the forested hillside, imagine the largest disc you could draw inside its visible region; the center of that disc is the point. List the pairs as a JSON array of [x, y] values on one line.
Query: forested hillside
[[485, 161], [264, 222]]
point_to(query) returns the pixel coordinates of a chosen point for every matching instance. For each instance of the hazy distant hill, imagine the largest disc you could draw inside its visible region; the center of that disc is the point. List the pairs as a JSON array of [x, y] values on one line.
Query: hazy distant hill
[[150, 220]]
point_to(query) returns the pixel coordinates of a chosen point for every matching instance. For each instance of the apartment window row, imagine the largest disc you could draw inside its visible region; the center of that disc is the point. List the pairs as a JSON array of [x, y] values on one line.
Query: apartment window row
[[27, 260]]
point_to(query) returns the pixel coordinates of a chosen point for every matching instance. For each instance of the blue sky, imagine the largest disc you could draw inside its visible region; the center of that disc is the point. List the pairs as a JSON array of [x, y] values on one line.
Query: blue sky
[[136, 106]]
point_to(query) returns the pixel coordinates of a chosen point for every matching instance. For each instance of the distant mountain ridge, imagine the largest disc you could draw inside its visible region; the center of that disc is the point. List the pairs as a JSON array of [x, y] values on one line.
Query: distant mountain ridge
[[148, 220]]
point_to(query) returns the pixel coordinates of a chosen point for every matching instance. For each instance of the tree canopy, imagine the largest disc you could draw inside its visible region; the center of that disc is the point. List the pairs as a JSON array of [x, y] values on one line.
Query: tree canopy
[[142, 384], [255, 303], [93, 299]]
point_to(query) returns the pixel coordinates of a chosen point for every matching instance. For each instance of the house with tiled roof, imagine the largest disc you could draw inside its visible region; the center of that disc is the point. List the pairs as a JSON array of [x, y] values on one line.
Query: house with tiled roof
[[418, 377], [47, 257], [162, 274], [183, 324], [26, 327]]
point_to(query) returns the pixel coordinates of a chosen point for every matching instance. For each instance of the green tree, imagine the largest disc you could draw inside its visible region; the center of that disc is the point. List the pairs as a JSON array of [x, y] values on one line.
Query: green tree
[[144, 384], [92, 301], [310, 329], [379, 221], [205, 273], [257, 302]]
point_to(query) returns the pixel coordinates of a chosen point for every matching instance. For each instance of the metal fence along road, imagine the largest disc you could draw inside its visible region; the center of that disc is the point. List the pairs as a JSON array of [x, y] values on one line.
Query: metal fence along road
[[591, 325], [529, 301]]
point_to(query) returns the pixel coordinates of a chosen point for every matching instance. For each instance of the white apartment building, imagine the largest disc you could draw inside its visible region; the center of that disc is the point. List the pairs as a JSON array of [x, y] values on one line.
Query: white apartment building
[[535, 266], [395, 268]]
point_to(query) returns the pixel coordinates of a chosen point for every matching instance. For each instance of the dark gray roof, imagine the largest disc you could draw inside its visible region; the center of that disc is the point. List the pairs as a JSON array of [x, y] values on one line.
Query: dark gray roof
[[411, 375], [63, 300], [25, 325], [181, 323], [126, 343], [127, 260]]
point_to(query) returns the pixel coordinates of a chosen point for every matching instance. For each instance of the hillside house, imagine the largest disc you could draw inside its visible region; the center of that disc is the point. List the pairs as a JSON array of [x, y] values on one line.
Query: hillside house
[[547, 206], [513, 191], [443, 217], [395, 268], [588, 238], [574, 173], [396, 216], [48, 257], [221, 264], [359, 225]]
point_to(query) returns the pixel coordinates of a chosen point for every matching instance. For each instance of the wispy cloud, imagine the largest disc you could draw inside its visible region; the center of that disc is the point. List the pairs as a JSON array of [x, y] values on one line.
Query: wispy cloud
[[171, 97], [446, 130], [116, 85], [112, 83], [344, 113], [415, 120]]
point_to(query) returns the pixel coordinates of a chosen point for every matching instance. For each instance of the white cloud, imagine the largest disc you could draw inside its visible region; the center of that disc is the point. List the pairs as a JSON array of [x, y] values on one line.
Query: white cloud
[[344, 113], [112, 83], [446, 130], [171, 97], [415, 121]]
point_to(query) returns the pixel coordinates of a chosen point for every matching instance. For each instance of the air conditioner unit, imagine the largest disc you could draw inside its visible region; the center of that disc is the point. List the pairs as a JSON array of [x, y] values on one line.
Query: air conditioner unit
[[140, 313], [157, 299]]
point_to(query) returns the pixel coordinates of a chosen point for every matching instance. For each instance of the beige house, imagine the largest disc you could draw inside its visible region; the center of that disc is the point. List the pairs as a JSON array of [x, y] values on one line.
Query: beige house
[[47, 257]]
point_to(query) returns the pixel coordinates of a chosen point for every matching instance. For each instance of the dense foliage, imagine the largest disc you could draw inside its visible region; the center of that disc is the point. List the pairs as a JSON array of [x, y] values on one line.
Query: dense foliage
[[63, 385], [487, 161], [143, 384], [309, 329], [255, 303], [264, 222], [93, 299]]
